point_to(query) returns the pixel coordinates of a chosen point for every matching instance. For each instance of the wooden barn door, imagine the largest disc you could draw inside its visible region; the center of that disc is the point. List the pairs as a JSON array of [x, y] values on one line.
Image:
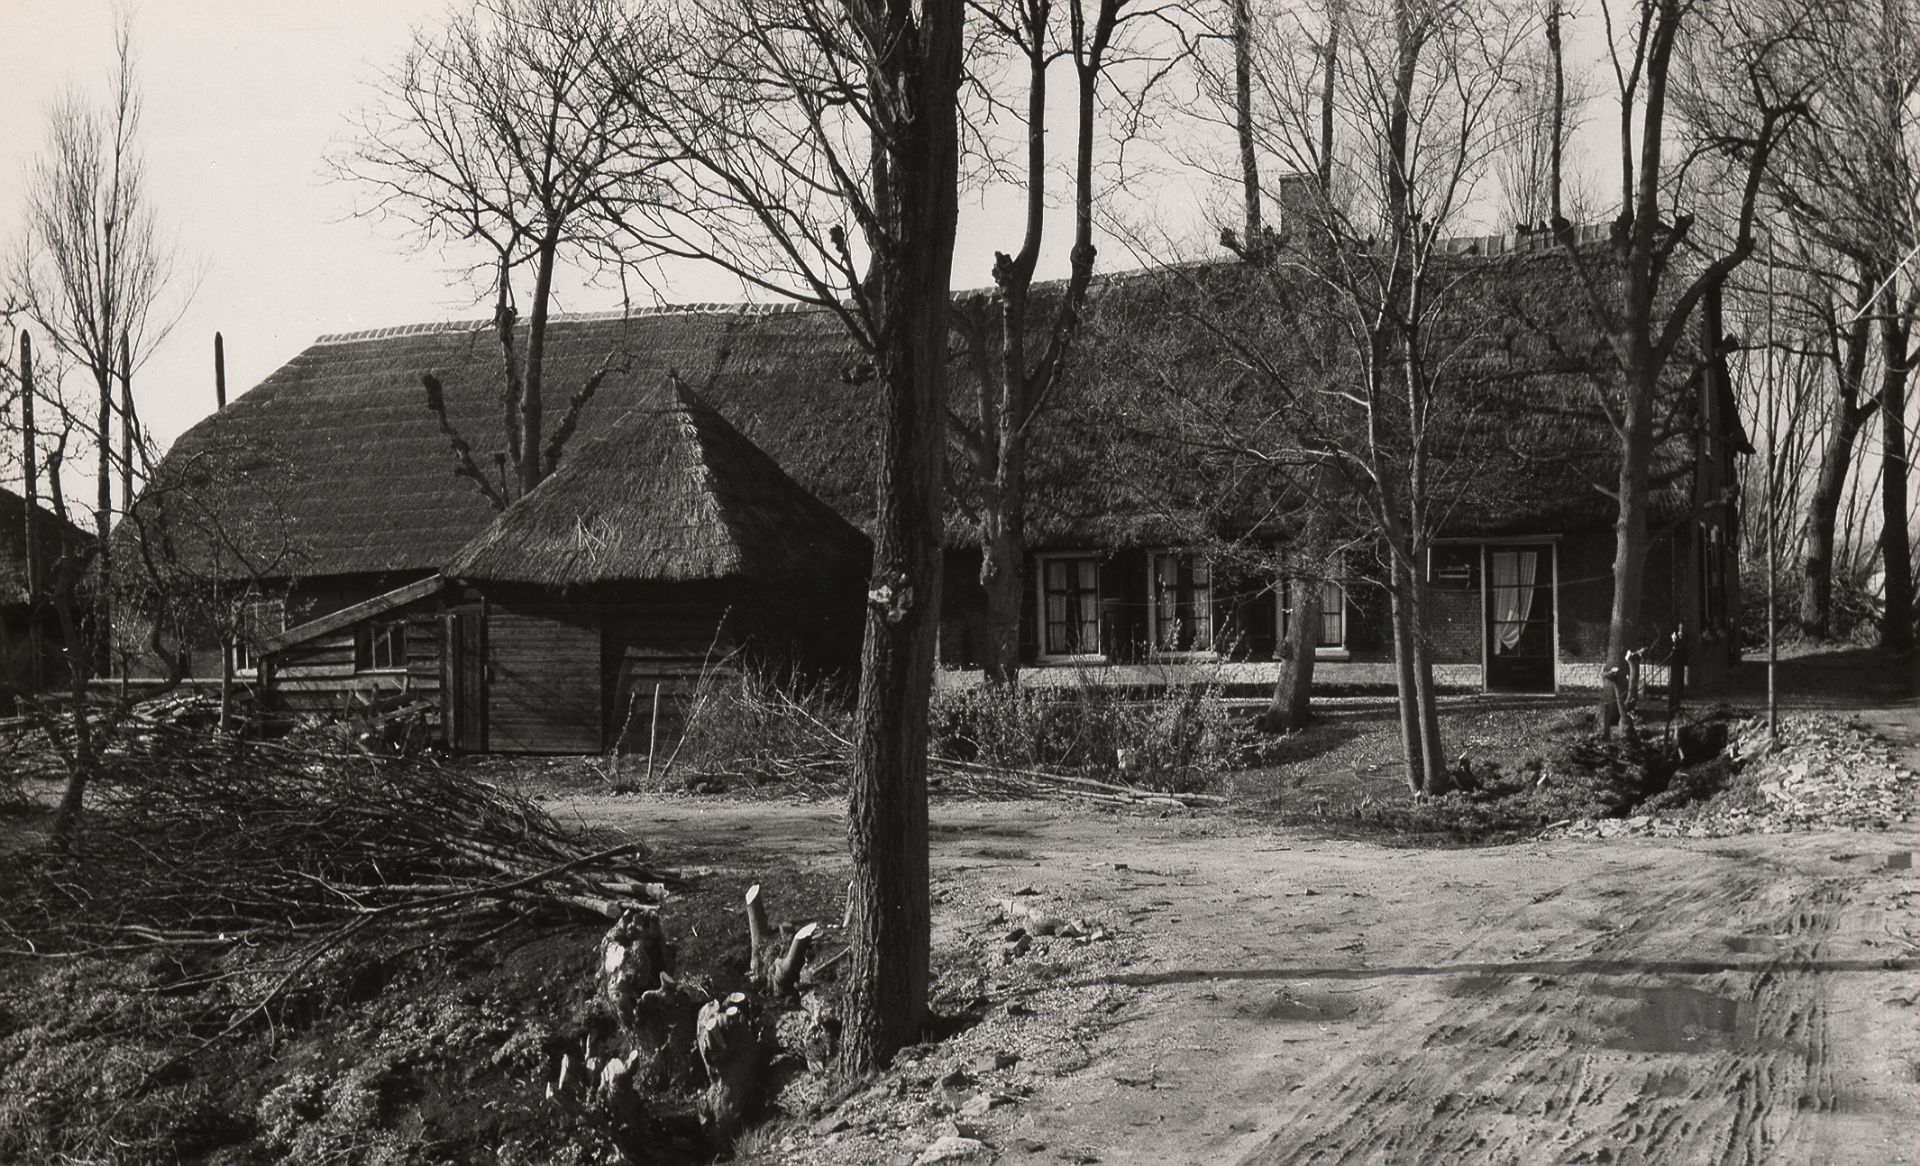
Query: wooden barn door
[[1520, 618], [543, 681], [466, 697]]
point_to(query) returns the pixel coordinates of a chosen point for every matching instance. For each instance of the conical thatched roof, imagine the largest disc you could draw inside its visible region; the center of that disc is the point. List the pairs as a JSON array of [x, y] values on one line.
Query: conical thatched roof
[[670, 493]]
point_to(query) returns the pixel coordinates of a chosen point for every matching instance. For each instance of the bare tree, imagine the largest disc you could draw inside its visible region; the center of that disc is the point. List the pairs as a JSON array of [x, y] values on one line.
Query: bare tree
[[1018, 348], [1344, 337], [1646, 321], [497, 133], [90, 275], [784, 124], [1545, 111], [1852, 191]]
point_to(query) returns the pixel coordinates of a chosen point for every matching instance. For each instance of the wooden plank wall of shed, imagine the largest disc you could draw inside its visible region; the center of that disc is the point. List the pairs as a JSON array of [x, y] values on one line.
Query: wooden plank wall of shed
[[319, 676], [544, 679], [669, 644]]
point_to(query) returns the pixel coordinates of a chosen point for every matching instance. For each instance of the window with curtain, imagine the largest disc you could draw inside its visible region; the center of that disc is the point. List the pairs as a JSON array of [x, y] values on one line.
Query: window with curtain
[[1182, 604], [1070, 604], [1510, 580], [1333, 612]]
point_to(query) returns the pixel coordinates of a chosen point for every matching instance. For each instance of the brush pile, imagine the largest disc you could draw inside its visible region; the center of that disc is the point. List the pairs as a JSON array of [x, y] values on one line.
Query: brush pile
[[194, 839]]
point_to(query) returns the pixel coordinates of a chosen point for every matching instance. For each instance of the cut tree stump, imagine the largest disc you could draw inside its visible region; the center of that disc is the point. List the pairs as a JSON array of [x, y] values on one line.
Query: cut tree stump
[[734, 1045]]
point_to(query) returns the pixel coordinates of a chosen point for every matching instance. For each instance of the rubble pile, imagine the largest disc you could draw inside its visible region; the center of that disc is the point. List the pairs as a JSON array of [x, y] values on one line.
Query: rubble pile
[[1820, 773]]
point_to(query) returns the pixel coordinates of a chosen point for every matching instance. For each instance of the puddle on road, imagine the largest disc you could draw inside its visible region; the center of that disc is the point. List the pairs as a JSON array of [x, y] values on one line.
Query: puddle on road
[[1900, 861], [1312, 1006], [1674, 1019], [1751, 944]]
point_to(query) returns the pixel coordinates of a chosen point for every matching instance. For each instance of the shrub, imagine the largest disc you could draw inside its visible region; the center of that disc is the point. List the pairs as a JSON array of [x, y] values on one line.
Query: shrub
[[757, 723], [1163, 740]]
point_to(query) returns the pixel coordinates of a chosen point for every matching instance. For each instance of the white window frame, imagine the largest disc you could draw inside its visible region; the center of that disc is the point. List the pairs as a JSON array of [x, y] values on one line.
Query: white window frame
[[1488, 544], [1154, 650], [1040, 607], [1338, 651], [242, 650], [373, 667]]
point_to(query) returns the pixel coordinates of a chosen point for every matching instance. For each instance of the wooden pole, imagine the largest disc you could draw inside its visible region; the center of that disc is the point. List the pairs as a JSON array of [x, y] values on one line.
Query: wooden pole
[[219, 371], [1773, 553], [653, 732], [126, 459], [30, 455]]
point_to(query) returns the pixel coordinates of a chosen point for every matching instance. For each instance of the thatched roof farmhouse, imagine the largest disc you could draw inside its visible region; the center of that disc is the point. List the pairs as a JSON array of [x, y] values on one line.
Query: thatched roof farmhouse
[[766, 469]]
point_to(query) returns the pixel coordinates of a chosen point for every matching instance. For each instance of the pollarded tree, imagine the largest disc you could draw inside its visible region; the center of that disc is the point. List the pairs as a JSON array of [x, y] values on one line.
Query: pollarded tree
[[1020, 344], [811, 148], [1344, 333], [1643, 291], [1853, 190], [91, 275], [496, 135]]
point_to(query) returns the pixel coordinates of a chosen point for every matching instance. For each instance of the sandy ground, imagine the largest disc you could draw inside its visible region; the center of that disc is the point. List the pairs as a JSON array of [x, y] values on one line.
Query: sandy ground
[[1287, 999]]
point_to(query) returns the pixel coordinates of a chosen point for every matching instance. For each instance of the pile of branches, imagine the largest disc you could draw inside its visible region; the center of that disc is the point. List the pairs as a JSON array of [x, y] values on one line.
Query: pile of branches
[[196, 839]]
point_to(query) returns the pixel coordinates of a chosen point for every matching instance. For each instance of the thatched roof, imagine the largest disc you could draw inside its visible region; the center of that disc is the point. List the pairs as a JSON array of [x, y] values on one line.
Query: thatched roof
[[1182, 362], [669, 493], [62, 546], [336, 458]]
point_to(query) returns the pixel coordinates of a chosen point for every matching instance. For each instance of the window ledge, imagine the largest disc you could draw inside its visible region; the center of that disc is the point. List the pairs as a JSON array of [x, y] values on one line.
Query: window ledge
[[1187, 657], [1335, 654], [1044, 659]]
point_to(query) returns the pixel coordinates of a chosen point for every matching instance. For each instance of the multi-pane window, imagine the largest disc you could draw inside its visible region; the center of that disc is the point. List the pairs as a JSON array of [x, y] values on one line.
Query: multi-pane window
[[380, 647], [1070, 606], [259, 621], [1182, 604], [1333, 612]]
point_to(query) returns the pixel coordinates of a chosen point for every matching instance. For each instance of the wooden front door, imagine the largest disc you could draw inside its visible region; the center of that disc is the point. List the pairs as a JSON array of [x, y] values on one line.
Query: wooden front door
[[1519, 621], [466, 700]]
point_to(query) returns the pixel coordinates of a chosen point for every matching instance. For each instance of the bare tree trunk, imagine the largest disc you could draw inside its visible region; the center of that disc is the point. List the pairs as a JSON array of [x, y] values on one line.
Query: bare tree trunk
[[529, 467], [1558, 117], [1433, 753], [1412, 749], [1830, 480], [1243, 123], [1630, 536], [916, 196], [1896, 626], [29, 455], [1003, 577]]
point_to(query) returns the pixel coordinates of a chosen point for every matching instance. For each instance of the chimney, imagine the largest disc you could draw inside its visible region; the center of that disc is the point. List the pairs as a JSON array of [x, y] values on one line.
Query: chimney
[[219, 372], [1297, 197]]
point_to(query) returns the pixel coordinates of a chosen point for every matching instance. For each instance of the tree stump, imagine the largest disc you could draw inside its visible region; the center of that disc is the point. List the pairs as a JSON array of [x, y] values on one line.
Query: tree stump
[[732, 1039], [632, 957]]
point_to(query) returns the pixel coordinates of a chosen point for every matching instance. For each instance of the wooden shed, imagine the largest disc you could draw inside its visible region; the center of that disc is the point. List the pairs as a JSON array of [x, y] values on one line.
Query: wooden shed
[[669, 546], [32, 645]]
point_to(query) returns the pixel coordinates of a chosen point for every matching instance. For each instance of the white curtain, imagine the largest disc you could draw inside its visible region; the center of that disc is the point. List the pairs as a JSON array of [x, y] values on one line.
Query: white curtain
[[1513, 574]]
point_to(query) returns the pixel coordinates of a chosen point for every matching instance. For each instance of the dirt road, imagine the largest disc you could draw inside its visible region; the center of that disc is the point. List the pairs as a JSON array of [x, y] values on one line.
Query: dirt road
[[1279, 999]]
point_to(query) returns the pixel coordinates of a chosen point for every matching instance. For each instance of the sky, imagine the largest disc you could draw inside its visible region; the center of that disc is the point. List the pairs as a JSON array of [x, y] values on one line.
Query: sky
[[243, 99]]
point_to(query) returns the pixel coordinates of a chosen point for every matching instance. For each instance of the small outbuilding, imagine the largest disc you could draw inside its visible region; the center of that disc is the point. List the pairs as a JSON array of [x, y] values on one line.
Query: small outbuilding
[[668, 547], [32, 642]]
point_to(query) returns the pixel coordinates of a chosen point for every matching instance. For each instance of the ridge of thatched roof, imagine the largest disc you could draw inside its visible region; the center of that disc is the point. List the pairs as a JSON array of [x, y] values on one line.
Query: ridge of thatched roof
[[61, 544], [670, 493], [336, 458]]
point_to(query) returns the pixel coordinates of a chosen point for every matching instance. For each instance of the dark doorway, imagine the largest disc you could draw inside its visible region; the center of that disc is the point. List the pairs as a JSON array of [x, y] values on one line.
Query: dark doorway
[[1520, 618], [467, 682]]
